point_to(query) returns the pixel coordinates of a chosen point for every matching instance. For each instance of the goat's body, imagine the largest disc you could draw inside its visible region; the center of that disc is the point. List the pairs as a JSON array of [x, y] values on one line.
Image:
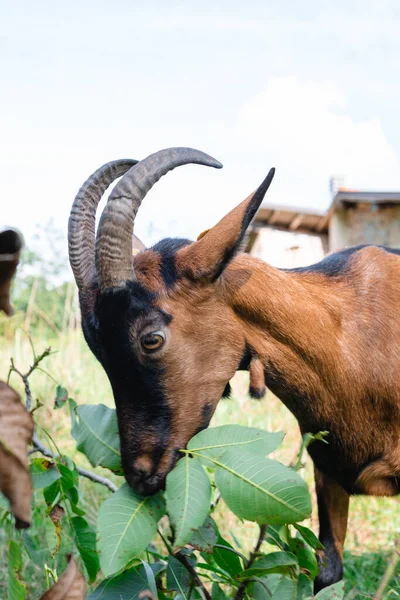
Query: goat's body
[[328, 336]]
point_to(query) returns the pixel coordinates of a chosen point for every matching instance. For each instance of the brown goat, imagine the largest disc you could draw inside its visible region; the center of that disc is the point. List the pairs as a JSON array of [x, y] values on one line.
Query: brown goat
[[172, 325]]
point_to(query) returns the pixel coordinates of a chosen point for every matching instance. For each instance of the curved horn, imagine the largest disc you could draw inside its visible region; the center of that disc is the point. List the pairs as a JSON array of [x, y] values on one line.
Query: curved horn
[[114, 236], [81, 224]]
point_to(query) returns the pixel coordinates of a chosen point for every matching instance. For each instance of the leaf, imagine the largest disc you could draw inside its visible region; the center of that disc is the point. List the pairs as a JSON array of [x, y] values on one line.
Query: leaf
[[260, 489], [305, 587], [333, 592], [150, 578], [61, 397], [265, 586], [188, 495], [95, 429], [309, 537], [275, 562], [43, 473], [16, 587], [16, 430], [226, 558], [126, 524], [306, 557], [70, 586], [85, 539], [205, 537], [217, 593], [178, 577], [127, 586], [61, 487], [286, 590], [214, 441]]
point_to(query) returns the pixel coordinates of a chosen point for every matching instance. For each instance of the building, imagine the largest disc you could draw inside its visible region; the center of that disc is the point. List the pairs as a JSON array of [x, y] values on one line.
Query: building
[[292, 237]]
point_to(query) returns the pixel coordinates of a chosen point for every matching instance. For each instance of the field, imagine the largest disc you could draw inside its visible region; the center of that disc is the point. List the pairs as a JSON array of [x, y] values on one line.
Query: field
[[373, 522]]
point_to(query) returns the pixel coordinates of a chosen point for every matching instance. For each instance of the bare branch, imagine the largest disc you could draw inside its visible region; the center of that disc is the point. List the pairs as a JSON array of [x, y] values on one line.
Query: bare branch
[[242, 587]]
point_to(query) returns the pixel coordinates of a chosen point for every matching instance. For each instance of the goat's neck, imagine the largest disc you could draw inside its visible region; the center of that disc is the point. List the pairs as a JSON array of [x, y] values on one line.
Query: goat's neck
[[289, 320]]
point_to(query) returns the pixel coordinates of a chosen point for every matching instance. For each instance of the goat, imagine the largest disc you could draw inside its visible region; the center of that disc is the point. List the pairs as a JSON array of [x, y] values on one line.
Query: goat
[[173, 323], [10, 249]]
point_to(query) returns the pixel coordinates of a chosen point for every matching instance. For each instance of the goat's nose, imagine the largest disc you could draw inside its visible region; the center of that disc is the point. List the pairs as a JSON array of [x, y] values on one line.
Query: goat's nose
[[143, 467]]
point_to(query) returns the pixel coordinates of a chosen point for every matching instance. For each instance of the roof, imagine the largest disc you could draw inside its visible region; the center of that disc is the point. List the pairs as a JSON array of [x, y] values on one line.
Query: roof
[[291, 218]]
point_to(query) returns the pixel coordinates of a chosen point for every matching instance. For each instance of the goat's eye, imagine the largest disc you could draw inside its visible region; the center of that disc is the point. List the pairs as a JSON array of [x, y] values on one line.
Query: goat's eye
[[153, 341]]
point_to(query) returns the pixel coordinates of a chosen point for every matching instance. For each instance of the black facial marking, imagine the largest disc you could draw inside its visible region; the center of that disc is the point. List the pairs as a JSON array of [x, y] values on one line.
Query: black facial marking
[[167, 248], [338, 263], [206, 414], [226, 394], [142, 409]]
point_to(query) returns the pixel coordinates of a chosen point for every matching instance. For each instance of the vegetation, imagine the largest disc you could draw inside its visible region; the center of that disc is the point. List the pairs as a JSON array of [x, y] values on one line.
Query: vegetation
[[214, 546]]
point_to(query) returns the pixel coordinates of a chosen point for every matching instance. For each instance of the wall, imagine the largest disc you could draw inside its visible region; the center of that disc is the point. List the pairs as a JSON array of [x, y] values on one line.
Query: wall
[[288, 249], [365, 223]]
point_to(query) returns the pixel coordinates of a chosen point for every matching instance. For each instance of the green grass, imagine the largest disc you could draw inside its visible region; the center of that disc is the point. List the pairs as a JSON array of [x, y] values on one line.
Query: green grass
[[373, 522]]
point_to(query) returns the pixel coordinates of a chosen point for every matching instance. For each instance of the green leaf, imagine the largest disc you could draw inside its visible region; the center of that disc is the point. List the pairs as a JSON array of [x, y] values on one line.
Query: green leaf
[[61, 397], [333, 592], [150, 578], [309, 537], [188, 494], [205, 537], [59, 489], [265, 586], [306, 556], [126, 524], [217, 593], [178, 577], [214, 441], [43, 473], [305, 587], [286, 590], [262, 490], [95, 429], [276, 562], [85, 539], [127, 586], [226, 558], [16, 587]]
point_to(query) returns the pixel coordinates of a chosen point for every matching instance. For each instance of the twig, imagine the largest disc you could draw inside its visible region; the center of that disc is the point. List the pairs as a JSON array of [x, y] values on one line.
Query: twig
[[36, 443], [184, 561], [390, 569], [242, 587]]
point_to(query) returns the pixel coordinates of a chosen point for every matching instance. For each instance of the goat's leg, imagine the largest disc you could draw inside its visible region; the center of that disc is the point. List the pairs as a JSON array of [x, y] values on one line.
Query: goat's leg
[[333, 508]]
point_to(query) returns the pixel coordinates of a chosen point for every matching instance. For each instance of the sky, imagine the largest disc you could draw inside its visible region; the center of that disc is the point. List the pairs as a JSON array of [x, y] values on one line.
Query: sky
[[310, 87]]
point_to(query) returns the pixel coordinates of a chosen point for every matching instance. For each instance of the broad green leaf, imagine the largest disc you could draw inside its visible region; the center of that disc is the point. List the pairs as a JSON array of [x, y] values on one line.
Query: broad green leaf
[[214, 441], [309, 536], [286, 590], [226, 558], [305, 587], [205, 537], [276, 562], [333, 592], [43, 473], [217, 593], [178, 577], [127, 586], [61, 486], [95, 429], [264, 587], [188, 494], [306, 557], [260, 489], [16, 587], [85, 539], [126, 524]]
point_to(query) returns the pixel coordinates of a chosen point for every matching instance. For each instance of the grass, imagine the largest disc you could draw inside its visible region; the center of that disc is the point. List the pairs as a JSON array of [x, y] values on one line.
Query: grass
[[373, 522]]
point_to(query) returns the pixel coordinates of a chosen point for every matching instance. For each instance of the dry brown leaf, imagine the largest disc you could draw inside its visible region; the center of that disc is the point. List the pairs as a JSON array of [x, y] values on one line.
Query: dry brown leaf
[[56, 513], [70, 586], [16, 430], [10, 247]]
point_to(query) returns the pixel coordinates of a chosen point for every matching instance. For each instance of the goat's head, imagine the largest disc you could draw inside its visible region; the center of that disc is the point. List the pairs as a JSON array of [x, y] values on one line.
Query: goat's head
[[156, 318]]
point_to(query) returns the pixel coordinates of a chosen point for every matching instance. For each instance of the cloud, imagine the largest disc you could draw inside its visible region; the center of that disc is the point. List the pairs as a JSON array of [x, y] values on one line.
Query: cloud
[[303, 127]]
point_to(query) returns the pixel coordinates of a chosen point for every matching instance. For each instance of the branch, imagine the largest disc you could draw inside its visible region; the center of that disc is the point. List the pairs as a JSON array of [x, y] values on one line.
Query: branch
[[242, 587], [36, 443]]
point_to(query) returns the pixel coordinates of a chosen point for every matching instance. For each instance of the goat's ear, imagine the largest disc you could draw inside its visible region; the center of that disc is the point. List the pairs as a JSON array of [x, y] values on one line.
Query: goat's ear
[[214, 249]]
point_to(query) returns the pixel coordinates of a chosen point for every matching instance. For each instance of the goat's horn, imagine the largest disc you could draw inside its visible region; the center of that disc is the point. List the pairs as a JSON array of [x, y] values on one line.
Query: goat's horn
[[81, 225], [114, 236]]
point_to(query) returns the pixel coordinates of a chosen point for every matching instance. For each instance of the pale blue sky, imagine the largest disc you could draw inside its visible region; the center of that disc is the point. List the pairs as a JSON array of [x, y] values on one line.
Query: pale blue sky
[[308, 86]]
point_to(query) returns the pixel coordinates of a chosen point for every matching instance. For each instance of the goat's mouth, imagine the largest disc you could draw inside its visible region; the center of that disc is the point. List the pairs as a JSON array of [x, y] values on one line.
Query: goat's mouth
[[147, 484]]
